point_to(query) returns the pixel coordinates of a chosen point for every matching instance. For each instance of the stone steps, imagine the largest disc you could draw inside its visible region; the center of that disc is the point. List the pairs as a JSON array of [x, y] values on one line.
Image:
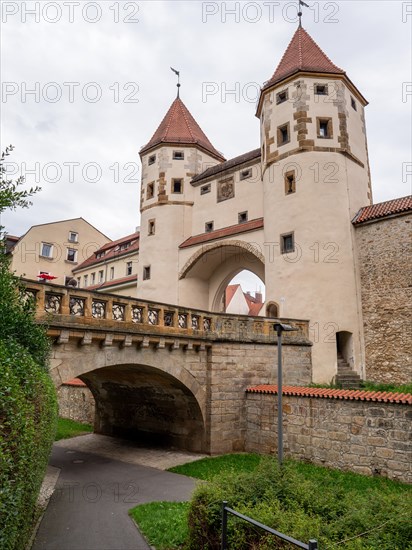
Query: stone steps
[[346, 377]]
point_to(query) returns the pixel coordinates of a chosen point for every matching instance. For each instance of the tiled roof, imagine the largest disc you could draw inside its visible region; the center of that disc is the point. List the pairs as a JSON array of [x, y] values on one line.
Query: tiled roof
[[383, 209], [230, 292], [114, 282], [110, 251], [325, 393], [302, 54], [255, 308], [231, 163], [225, 232], [75, 382], [179, 126]]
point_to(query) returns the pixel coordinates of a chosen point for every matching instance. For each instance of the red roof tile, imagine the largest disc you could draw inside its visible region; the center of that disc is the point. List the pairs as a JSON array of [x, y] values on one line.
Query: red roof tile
[[383, 209], [75, 382], [114, 282], [110, 251], [255, 309], [225, 232], [179, 126], [325, 393], [303, 54]]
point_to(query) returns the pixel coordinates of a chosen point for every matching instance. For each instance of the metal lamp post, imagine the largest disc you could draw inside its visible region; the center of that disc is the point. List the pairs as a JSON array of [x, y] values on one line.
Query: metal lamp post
[[280, 328]]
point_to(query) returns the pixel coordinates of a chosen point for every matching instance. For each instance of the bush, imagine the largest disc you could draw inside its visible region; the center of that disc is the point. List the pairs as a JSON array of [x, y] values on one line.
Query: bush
[[28, 410], [303, 502]]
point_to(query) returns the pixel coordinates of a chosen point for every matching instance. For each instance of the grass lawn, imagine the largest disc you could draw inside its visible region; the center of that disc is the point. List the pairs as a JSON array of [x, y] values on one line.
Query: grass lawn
[[164, 524], [69, 428]]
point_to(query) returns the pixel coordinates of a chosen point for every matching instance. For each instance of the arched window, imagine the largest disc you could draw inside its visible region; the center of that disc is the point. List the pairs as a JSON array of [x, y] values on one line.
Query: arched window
[[272, 310]]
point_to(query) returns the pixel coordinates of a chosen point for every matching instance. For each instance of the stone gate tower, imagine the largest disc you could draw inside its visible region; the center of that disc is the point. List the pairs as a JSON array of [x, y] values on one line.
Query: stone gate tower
[[282, 211]]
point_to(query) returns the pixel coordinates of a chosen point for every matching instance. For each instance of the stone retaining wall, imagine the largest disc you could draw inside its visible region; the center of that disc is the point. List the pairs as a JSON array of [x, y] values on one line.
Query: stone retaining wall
[[76, 402], [372, 438]]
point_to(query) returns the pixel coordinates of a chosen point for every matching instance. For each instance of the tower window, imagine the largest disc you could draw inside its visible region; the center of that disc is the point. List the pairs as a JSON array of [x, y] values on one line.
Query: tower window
[[244, 174], [281, 97], [324, 128], [146, 273], [152, 159], [178, 155], [290, 182], [283, 134], [150, 191], [353, 103], [287, 243], [177, 186], [321, 89], [151, 227], [209, 227], [242, 217], [205, 189]]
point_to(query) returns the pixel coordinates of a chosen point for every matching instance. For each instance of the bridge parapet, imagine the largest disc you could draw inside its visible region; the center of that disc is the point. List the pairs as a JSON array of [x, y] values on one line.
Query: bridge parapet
[[73, 308]]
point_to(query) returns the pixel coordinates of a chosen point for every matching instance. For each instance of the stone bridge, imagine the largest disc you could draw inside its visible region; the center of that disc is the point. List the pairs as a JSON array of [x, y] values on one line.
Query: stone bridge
[[165, 374]]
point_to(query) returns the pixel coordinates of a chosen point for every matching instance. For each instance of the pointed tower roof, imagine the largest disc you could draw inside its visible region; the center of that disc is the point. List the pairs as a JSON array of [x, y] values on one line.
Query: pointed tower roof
[[303, 54], [179, 127]]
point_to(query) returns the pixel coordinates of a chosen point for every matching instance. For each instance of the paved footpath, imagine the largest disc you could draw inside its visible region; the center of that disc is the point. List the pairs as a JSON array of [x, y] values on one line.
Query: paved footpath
[[88, 509]]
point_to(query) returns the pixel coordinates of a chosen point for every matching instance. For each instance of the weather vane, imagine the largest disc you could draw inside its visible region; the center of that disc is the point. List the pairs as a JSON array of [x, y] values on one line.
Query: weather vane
[[178, 79], [301, 3]]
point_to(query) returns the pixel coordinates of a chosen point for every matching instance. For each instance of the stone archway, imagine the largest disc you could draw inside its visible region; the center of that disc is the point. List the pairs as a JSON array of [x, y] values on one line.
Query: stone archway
[[213, 266]]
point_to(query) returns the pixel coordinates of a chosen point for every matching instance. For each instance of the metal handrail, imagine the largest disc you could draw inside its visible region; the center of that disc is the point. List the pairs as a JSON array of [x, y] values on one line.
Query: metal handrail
[[313, 544]]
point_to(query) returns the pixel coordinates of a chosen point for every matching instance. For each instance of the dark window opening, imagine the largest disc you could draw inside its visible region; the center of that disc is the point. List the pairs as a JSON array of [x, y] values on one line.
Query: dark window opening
[[205, 189], [244, 174], [281, 97], [287, 243], [242, 217], [290, 183], [146, 272], [152, 159], [150, 191], [283, 134], [178, 155], [324, 128], [151, 227], [177, 186], [353, 103], [209, 227], [321, 89]]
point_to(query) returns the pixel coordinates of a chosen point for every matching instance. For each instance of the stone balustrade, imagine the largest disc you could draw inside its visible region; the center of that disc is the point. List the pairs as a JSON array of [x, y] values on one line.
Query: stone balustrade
[[62, 306]]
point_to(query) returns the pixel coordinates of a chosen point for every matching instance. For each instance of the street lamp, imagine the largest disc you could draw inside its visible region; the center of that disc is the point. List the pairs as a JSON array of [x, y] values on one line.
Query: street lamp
[[280, 328]]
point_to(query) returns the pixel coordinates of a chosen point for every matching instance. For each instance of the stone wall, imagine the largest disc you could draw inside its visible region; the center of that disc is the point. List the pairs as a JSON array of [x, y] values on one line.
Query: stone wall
[[76, 402], [232, 368], [385, 260], [372, 438]]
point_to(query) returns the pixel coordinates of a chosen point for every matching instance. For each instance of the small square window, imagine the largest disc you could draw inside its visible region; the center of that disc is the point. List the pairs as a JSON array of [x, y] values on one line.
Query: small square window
[[353, 103], [112, 273], [129, 268], [178, 155], [324, 126], [46, 250], [290, 182], [177, 185], [93, 279], [287, 243], [152, 159], [281, 97], [244, 174], [101, 277], [146, 272], [205, 189], [283, 134], [150, 191], [71, 255], [73, 237], [321, 89], [242, 217], [151, 227], [209, 227]]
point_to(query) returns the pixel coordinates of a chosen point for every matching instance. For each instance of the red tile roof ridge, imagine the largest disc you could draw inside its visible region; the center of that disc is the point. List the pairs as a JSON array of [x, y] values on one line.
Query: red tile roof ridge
[[250, 225], [383, 209], [357, 395], [131, 237]]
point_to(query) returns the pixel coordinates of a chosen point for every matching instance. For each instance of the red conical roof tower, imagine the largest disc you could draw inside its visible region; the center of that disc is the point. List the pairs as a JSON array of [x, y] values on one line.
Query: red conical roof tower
[[179, 127]]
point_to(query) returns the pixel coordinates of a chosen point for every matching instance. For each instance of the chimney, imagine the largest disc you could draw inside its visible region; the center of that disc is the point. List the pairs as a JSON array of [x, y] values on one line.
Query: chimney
[[258, 297]]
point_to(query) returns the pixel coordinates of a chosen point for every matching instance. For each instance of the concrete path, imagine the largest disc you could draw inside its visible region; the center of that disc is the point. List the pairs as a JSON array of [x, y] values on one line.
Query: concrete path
[[88, 509]]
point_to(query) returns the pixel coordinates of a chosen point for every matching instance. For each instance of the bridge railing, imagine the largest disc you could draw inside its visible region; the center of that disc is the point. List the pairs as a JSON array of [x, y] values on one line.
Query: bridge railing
[[79, 307]]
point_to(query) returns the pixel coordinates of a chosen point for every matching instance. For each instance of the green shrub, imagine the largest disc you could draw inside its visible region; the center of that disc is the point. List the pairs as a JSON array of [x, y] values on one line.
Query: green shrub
[[28, 411], [304, 502]]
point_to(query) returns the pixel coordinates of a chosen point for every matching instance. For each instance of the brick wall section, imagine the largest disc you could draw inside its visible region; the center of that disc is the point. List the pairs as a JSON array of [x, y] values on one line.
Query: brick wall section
[[232, 367], [366, 437], [76, 402], [385, 260]]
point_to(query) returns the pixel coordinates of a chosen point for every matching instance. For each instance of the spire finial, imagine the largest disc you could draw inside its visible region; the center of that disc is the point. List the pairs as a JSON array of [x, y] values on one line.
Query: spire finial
[[301, 3], [177, 73]]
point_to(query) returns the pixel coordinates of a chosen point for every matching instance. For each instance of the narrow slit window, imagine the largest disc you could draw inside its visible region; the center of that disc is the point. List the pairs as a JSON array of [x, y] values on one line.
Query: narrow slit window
[[283, 134], [146, 272], [177, 185], [151, 228], [129, 268], [290, 182], [353, 103], [209, 227], [150, 191], [287, 243]]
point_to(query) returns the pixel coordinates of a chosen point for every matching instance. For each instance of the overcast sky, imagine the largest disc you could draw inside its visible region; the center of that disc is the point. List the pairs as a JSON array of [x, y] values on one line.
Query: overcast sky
[[100, 73]]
